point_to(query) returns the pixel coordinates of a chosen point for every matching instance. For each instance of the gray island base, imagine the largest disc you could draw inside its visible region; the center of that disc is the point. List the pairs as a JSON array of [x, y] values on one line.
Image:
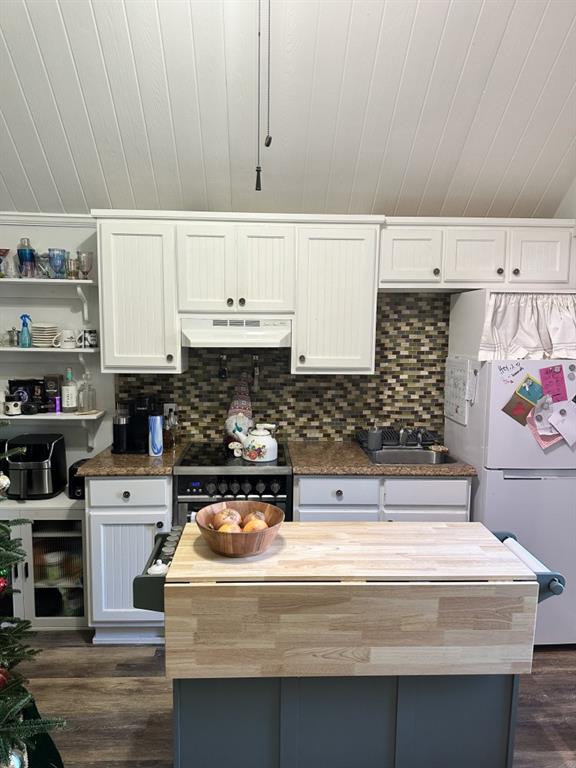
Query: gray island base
[[464, 721]]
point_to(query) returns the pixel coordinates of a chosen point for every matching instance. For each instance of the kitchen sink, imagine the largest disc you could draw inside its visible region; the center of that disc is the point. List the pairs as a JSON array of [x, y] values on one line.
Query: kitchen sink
[[409, 456]]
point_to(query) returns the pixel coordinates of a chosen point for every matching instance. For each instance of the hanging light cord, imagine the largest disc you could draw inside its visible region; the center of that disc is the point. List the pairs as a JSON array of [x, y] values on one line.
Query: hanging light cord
[[258, 168], [268, 139]]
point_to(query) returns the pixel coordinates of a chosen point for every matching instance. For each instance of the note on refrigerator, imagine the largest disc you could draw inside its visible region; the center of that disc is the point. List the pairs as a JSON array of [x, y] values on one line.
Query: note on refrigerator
[[553, 383], [564, 420]]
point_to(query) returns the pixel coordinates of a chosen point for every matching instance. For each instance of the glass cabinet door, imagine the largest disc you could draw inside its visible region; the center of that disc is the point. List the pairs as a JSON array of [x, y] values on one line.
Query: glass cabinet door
[[13, 604], [58, 569]]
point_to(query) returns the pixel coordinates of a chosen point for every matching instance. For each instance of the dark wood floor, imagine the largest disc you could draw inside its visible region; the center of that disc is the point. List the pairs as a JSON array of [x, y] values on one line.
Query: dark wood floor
[[118, 704]]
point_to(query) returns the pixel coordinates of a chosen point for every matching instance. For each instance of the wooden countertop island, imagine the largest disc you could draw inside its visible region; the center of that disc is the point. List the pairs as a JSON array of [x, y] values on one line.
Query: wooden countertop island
[[367, 645]]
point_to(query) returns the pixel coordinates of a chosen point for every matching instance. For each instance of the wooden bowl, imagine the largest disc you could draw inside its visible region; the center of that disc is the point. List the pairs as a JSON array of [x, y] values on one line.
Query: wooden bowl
[[240, 544]]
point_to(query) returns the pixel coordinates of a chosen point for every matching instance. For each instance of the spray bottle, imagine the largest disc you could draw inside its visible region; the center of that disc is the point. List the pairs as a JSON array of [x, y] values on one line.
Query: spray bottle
[[25, 337]]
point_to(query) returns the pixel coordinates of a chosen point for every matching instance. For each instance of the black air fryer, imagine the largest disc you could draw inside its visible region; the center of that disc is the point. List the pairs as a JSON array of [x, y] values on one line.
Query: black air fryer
[[39, 472]]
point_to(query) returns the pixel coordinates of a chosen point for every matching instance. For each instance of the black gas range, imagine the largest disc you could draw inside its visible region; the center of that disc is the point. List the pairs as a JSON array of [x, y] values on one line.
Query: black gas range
[[209, 473]]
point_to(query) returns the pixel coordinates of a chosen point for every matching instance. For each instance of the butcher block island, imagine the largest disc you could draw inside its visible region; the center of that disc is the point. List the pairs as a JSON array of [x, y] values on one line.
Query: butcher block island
[[349, 645]]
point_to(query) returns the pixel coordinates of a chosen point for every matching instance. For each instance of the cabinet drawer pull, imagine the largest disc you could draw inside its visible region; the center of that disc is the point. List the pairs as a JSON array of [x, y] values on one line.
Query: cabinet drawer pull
[[126, 494], [15, 570], [26, 571], [516, 271], [230, 302], [339, 494], [159, 524], [242, 302], [500, 270], [302, 359], [437, 271], [169, 358]]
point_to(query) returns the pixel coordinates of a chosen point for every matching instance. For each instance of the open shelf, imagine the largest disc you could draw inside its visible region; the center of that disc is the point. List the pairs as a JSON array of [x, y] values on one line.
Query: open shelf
[[44, 281], [59, 584], [52, 350], [60, 416]]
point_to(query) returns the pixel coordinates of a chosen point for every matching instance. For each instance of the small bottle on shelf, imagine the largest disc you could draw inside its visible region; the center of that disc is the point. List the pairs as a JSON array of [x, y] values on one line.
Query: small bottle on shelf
[[69, 393], [86, 394]]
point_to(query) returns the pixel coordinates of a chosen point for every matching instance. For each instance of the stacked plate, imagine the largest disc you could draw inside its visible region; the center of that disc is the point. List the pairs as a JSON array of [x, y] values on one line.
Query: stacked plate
[[43, 335]]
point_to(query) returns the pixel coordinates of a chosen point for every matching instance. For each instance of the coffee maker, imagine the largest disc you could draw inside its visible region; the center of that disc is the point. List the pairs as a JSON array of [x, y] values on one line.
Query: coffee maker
[[38, 471], [130, 426]]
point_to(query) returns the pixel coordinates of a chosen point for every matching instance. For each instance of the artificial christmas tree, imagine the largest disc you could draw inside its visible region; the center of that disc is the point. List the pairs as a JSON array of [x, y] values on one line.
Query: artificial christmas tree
[[24, 739]]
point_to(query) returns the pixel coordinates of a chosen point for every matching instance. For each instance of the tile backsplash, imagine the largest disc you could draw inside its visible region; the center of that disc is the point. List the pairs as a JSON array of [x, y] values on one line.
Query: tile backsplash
[[407, 388]]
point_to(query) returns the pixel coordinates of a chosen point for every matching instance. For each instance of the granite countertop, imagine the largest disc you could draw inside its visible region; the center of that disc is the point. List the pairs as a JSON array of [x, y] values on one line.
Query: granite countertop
[[329, 457], [108, 464]]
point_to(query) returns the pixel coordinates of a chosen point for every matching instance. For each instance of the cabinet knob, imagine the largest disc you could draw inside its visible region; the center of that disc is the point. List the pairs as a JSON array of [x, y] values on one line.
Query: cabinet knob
[[339, 494], [516, 271], [242, 302], [159, 524], [169, 358], [302, 359], [437, 271], [500, 270], [126, 494], [230, 302]]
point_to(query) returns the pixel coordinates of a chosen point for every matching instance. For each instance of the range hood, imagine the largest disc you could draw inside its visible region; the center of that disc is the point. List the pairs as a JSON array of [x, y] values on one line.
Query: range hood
[[219, 331]]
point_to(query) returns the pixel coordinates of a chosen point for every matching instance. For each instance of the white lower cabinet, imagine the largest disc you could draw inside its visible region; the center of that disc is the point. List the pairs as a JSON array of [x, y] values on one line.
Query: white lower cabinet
[[120, 541], [432, 499], [344, 498]]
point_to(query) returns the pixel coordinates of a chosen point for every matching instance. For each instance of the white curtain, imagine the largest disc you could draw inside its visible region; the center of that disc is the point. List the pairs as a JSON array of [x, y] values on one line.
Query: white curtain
[[529, 325]]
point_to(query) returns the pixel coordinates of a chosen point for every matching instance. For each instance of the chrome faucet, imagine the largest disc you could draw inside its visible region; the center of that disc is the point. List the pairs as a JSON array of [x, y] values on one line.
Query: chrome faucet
[[403, 436]]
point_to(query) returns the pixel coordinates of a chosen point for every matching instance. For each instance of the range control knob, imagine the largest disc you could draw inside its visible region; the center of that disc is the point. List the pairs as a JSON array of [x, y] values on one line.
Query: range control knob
[[211, 488], [260, 487], [222, 487], [235, 487], [275, 487], [246, 487]]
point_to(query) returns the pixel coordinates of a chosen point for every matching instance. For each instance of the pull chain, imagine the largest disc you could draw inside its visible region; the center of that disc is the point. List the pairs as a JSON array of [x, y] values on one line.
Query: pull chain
[[258, 168], [268, 139]]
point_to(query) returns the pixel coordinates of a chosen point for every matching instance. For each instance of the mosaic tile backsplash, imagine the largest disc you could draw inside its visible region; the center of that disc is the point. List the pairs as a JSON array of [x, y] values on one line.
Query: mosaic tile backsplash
[[407, 388]]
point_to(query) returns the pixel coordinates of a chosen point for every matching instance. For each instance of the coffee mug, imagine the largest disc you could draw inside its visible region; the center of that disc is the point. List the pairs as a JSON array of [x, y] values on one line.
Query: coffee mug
[[12, 407], [65, 339], [87, 338]]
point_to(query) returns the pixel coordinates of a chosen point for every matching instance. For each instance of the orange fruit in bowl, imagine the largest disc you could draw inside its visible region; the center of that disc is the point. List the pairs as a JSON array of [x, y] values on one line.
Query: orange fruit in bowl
[[255, 524], [226, 516], [256, 515], [230, 528]]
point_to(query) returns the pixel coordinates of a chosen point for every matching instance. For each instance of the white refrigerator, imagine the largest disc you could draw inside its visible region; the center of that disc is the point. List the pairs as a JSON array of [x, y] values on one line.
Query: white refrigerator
[[521, 487]]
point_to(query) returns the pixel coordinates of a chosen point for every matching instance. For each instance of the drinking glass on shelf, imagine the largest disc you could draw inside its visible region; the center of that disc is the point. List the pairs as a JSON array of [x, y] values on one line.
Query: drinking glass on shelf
[[43, 265], [72, 271], [3, 252], [57, 260], [85, 263]]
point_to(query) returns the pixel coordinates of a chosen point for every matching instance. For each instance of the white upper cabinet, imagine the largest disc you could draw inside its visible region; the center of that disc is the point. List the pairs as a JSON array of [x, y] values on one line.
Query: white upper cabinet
[[235, 268], [139, 326], [336, 300], [475, 255], [540, 256], [410, 255], [206, 267], [266, 268]]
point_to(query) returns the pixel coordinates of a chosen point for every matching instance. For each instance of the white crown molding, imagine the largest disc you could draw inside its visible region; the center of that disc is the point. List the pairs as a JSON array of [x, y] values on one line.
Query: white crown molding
[[284, 218], [46, 219]]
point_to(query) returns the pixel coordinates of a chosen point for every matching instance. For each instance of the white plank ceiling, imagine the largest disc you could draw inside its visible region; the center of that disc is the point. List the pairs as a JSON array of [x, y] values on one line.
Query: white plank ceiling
[[402, 107]]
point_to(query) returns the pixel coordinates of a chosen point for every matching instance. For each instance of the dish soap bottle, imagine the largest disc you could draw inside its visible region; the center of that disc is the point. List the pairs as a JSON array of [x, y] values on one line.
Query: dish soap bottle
[[69, 393], [25, 336], [86, 394]]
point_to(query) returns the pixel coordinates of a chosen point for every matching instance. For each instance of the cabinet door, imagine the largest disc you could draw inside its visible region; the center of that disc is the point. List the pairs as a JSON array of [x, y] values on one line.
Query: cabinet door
[[335, 300], [120, 544], [206, 255], [540, 256], [138, 296], [411, 255], [266, 268], [475, 255]]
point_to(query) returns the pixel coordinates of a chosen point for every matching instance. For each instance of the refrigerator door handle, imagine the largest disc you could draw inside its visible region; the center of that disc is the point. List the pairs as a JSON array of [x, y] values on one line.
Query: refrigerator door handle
[[510, 476], [550, 583]]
